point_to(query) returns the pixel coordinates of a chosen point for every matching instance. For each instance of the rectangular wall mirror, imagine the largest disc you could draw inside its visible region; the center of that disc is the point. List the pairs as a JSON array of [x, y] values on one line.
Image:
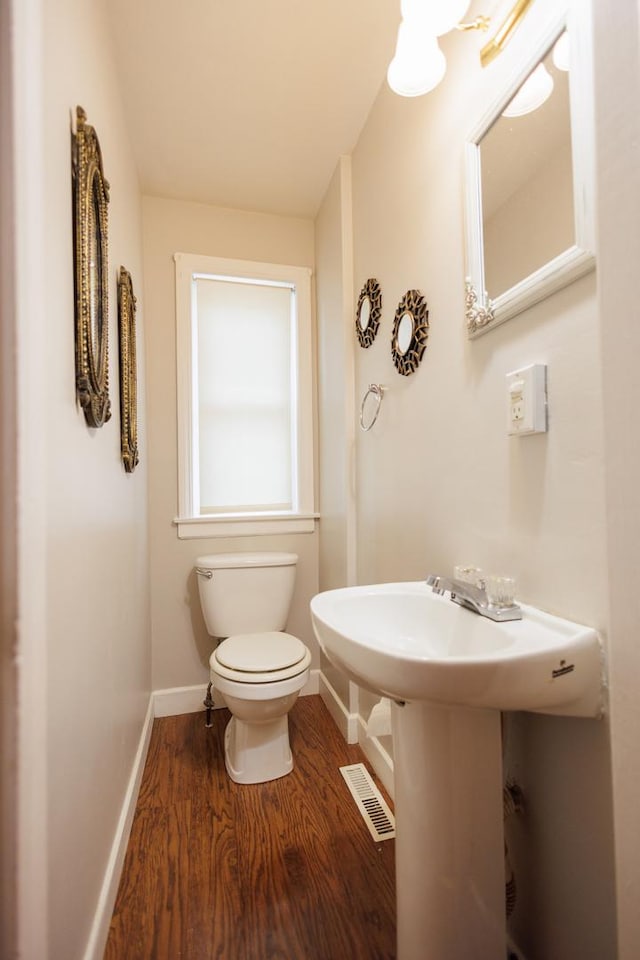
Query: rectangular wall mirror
[[529, 179]]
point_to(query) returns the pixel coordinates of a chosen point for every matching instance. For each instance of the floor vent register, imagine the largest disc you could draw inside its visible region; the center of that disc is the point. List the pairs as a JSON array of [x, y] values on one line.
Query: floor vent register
[[375, 812]]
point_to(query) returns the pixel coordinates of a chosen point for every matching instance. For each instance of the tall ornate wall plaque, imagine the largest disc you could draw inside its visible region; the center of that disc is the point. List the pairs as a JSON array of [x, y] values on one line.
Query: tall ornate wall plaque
[[128, 371], [90, 201]]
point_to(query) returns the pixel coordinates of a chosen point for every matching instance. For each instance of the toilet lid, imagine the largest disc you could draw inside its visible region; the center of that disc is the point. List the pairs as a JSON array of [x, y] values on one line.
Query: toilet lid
[[260, 652]]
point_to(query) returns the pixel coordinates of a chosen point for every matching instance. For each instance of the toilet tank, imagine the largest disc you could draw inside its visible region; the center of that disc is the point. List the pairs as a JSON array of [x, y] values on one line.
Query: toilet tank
[[245, 592]]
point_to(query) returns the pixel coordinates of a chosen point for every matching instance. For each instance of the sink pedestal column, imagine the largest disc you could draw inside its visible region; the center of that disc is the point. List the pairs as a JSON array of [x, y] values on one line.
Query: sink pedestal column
[[449, 833]]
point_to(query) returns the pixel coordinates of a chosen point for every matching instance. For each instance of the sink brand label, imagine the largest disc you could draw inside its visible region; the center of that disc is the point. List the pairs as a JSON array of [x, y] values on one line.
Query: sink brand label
[[563, 669]]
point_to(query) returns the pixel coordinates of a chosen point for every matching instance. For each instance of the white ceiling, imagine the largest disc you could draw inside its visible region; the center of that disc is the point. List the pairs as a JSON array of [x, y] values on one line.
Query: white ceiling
[[249, 103]]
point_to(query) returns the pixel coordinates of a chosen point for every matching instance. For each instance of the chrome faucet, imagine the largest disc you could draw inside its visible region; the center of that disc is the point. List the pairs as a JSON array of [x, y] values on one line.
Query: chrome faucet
[[474, 598]]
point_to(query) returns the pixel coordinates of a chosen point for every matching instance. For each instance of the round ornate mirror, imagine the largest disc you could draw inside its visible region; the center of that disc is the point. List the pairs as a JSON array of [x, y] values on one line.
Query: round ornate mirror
[[90, 200], [368, 312], [410, 332]]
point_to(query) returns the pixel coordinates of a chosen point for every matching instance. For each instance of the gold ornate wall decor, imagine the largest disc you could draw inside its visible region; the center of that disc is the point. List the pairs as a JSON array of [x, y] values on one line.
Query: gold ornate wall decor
[[477, 316], [368, 312], [128, 371], [90, 201], [410, 332]]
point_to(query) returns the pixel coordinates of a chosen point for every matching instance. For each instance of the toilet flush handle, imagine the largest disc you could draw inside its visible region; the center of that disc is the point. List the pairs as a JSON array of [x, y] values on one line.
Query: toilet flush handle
[[204, 573]]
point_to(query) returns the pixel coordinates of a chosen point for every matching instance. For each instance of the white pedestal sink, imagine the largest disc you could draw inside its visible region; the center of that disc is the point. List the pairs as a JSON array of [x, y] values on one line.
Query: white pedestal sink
[[450, 673]]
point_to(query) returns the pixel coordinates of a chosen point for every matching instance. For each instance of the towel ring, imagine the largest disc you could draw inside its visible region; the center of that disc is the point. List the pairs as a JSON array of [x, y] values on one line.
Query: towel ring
[[376, 390]]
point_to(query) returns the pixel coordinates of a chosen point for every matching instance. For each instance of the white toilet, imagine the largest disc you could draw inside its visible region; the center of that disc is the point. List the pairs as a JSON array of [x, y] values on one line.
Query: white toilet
[[260, 670]]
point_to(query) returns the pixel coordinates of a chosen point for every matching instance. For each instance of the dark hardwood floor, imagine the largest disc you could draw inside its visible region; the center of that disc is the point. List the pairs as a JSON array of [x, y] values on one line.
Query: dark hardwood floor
[[285, 870]]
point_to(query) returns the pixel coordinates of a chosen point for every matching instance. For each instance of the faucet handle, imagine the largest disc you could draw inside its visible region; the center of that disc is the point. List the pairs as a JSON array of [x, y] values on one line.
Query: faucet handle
[[469, 574], [501, 591], [435, 582]]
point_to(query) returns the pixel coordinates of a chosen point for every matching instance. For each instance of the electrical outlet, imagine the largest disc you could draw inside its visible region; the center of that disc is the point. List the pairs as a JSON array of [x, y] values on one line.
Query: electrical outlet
[[527, 400], [516, 400]]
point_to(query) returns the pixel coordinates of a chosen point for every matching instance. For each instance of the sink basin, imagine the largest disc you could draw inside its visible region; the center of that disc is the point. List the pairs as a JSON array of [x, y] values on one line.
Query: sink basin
[[406, 642], [450, 672]]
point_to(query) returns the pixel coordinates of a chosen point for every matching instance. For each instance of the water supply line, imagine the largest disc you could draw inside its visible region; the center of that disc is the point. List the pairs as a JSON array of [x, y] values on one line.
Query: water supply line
[[209, 704]]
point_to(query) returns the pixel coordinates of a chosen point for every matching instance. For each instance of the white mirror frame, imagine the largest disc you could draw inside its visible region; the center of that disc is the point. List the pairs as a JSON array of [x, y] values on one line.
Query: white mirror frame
[[481, 313]]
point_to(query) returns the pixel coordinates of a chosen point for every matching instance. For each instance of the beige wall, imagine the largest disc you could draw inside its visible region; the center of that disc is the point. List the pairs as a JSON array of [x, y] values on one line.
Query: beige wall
[[617, 54], [334, 272], [181, 647], [84, 601], [334, 275], [439, 482]]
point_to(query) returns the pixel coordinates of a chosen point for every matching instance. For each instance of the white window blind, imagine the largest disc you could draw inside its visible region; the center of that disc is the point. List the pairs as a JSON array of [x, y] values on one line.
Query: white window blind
[[246, 395]]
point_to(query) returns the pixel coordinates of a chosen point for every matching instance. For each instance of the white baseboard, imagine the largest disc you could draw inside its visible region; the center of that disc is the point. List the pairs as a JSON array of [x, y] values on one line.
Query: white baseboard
[[107, 898], [347, 723], [312, 685], [377, 756], [177, 700], [354, 729]]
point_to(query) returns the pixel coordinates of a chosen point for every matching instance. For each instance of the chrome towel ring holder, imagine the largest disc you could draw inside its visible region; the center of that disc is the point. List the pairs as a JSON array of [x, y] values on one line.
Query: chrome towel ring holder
[[375, 390]]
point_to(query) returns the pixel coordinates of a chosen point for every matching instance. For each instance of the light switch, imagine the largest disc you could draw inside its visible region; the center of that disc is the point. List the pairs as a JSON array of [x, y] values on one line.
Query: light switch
[[527, 400]]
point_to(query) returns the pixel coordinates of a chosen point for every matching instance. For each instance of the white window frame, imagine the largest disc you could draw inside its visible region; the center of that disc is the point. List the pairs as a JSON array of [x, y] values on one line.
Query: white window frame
[[301, 518]]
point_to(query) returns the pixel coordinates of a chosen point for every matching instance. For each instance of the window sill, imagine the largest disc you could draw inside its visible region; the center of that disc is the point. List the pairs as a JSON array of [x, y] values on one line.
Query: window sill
[[192, 528]]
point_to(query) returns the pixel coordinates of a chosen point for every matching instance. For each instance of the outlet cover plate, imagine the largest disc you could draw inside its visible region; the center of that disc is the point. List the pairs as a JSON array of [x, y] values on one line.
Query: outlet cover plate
[[527, 400]]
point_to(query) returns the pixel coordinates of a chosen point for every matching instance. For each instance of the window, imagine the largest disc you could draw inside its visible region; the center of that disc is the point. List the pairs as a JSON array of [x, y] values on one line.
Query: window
[[245, 425]]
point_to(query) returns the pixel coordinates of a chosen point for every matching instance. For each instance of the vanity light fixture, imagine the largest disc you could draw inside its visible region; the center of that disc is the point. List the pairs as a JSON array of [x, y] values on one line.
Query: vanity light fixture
[[504, 32], [419, 64]]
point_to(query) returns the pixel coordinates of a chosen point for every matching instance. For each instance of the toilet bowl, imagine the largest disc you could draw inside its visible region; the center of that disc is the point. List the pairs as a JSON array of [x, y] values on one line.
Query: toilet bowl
[[259, 696], [259, 669]]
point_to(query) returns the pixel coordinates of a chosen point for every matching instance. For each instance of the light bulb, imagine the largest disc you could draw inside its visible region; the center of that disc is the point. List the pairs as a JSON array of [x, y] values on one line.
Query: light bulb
[[561, 52], [436, 16], [532, 94], [419, 64]]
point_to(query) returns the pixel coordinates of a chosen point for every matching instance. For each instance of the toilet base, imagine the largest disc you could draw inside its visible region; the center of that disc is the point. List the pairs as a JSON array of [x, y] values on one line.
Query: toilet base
[[257, 752]]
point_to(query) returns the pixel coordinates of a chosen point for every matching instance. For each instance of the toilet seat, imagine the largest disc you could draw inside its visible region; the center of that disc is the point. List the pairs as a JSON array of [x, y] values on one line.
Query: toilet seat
[[260, 657]]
